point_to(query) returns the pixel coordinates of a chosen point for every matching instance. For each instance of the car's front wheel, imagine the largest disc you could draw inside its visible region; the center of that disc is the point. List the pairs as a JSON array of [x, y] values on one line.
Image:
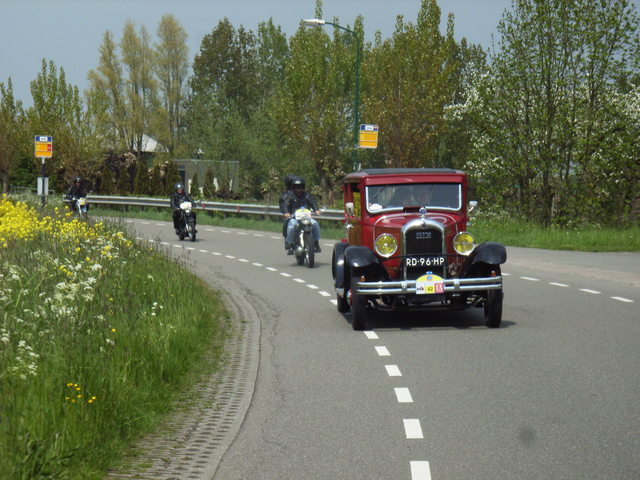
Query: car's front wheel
[[493, 308], [343, 304]]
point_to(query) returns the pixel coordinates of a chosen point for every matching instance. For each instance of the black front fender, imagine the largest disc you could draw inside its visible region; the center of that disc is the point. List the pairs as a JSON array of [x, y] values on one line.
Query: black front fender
[[360, 258], [488, 253], [337, 264]]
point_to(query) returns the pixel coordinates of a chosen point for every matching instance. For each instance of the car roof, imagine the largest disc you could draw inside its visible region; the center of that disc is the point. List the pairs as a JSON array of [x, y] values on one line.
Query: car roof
[[405, 173]]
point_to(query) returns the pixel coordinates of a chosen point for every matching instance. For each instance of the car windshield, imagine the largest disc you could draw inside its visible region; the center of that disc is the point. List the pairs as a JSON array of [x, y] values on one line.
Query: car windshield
[[441, 196]]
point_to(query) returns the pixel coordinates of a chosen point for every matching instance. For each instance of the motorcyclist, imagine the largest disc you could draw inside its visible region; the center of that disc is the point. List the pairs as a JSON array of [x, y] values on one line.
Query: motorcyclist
[[178, 196], [76, 190], [288, 180], [299, 198]]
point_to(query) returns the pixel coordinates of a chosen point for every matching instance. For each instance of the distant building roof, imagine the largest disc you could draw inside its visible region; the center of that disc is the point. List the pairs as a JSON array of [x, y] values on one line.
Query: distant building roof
[[151, 145]]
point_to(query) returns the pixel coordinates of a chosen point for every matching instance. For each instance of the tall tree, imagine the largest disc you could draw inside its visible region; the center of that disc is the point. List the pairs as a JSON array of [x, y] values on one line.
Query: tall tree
[[107, 93], [12, 131], [545, 115], [59, 111], [410, 78], [140, 84], [172, 68], [315, 108]]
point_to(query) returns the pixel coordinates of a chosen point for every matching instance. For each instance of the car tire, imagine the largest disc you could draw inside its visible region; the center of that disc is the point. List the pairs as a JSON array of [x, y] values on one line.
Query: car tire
[[343, 304], [493, 308], [358, 309]]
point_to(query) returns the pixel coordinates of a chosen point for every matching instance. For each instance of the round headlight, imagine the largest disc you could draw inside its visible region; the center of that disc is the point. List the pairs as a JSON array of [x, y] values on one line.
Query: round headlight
[[386, 245], [463, 243]]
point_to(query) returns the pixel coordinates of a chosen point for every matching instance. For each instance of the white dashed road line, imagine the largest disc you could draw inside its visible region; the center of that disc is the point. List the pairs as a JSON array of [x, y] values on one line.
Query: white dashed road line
[[271, 269], [371, 335], [587, 290], [393, 370], [622, 299], [285, 274], [531, 279], [383, 351], [558, 284], [403, 395], [412, 428], [420, 471], [312, 286], [299, 280]]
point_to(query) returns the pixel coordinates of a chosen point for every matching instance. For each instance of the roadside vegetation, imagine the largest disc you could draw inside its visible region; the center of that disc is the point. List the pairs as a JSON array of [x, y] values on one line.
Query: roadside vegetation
[[99, 336], [545, 122]]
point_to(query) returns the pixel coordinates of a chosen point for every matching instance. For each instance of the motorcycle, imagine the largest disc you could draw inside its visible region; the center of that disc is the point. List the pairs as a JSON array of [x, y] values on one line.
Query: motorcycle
[[186, 222], [79, 206], [303, 242]]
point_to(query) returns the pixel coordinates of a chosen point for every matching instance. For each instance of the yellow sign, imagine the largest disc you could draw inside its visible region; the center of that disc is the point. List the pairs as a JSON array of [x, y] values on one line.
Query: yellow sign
[[368, 136], [44, 146]]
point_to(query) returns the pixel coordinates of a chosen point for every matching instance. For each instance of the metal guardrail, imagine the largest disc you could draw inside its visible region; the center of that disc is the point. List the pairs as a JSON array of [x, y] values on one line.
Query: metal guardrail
[[241, 208]]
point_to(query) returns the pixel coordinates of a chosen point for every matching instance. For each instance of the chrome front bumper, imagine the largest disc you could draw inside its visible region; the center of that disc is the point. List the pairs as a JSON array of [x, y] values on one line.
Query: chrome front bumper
[[408, 287]]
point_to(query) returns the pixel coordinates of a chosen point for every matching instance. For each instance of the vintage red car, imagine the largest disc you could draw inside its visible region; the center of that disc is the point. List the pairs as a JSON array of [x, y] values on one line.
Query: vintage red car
[[407, 246]]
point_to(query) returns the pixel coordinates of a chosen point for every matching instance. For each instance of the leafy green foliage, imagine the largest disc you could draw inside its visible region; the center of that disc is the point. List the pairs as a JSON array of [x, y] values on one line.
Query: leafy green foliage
[[552, 125]]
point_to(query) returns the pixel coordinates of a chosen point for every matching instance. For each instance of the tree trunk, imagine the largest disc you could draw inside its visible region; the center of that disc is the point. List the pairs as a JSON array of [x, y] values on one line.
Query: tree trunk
[[5, 182]]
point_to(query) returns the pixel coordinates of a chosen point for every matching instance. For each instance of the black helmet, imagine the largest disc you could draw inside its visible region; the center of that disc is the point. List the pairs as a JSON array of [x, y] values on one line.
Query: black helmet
[[288, 180], [179, 186], [298, 182], [77, 180]]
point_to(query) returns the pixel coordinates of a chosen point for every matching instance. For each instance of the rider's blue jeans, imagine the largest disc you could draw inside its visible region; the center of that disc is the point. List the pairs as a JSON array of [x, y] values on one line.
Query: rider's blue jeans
[[315, 230]]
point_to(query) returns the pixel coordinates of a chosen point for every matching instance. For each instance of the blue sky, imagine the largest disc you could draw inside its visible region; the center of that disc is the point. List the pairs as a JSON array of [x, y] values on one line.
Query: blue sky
[[69, 32]]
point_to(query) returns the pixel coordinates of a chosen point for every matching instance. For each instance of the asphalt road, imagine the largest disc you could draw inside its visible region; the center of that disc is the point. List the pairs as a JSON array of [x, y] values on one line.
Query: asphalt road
[[552, 394]]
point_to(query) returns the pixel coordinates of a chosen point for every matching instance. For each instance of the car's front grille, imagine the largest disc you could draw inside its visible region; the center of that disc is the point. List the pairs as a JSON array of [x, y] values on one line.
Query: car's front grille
[[423, 242]]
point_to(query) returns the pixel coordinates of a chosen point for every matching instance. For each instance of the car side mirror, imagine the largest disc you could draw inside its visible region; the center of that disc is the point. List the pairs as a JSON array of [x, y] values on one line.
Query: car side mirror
[[472, 205], [349, 208]]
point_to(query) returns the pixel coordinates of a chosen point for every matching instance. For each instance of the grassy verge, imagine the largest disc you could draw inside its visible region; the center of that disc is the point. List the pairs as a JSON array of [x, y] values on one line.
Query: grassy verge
[[586, 239], [506, 231], [98, 338]]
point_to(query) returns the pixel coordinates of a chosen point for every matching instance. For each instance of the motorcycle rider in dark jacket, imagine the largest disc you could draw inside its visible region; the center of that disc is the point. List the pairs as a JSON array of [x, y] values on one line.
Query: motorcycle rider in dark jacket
[[76, 190], [177, 197], [299, 198], [288, 180]]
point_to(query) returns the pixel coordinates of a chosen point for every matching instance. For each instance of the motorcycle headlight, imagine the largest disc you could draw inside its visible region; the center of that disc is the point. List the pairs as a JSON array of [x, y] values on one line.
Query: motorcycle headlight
[[386, 245], [305, 220], [463, 243]]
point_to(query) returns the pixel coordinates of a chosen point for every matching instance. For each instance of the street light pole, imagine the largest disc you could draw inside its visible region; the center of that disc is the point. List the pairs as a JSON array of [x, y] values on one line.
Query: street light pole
[[318, 22]]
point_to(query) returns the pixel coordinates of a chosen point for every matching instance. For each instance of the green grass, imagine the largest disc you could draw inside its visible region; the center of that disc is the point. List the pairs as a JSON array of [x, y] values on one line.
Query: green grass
[[99, 337], [508, 232], [586, 239]]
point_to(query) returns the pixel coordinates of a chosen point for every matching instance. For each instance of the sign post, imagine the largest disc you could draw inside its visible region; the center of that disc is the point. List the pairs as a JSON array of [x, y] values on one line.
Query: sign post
[[44, 149], [368, 136]]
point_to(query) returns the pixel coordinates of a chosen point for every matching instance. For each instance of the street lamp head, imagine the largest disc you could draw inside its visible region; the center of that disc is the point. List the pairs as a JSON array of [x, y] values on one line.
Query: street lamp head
[[313, 22]]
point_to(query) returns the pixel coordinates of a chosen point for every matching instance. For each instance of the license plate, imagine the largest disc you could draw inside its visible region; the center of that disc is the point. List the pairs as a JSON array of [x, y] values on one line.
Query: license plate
[[425, 261]]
